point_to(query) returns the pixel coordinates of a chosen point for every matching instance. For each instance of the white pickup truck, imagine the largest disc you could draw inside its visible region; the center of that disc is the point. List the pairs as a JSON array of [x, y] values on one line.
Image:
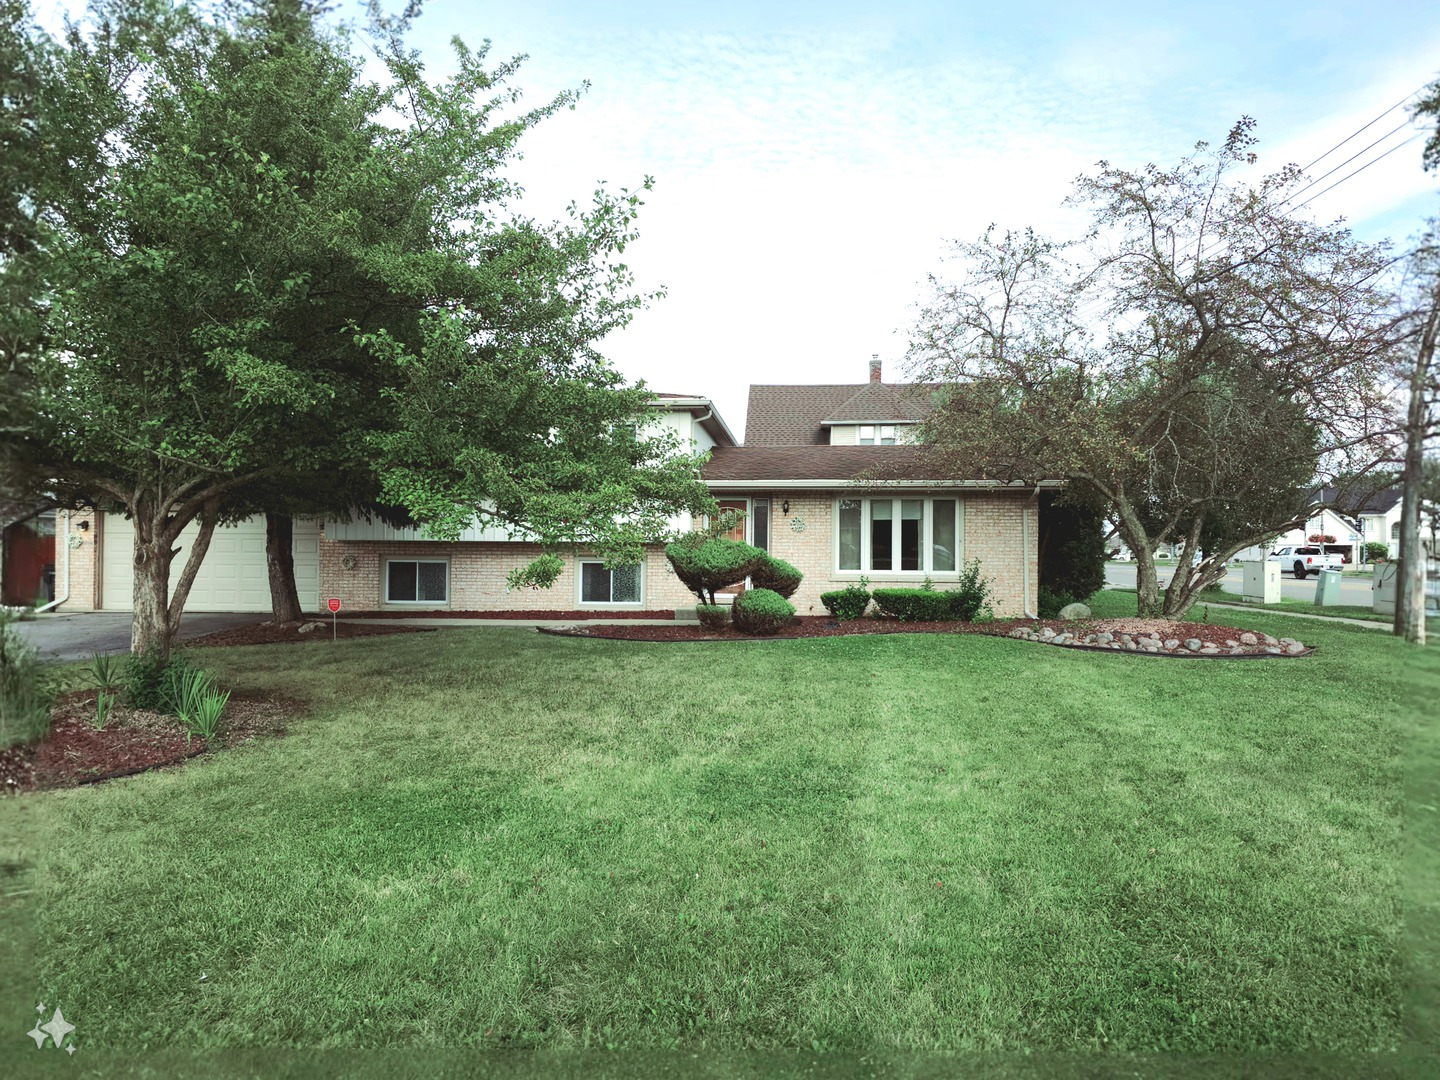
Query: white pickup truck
[[1309, 559]]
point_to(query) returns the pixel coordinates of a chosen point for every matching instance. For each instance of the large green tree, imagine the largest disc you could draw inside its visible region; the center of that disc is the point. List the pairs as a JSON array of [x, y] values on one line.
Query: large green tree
[[20, 232], [1195, 364], [267, 269]]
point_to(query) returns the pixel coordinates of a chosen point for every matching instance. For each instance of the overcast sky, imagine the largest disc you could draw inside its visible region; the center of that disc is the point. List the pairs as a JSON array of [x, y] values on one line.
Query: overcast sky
[[812, 159]]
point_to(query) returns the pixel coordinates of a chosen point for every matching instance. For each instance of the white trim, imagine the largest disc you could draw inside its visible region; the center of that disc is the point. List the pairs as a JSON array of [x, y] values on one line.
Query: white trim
[[385, 580], [877, 485], [927, 539], [605, 605]]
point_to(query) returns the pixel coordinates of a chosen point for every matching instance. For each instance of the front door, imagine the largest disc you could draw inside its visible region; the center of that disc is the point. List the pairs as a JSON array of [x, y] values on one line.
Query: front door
[[737, 533]]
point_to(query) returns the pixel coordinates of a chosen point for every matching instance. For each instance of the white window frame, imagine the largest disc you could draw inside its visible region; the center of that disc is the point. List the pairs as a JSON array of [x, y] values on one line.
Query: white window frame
[[880, 435], [927, 542], [385, 580], [580, 602]]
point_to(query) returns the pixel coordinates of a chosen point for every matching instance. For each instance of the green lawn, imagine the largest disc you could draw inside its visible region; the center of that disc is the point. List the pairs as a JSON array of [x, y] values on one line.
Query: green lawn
[[901, 843]]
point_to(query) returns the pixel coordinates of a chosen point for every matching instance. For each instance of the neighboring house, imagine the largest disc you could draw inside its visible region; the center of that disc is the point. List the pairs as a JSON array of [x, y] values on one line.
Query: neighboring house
[[828, 478], [1355, 520]]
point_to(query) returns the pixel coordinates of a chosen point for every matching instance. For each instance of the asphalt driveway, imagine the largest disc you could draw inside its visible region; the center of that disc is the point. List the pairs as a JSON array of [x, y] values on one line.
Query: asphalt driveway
[[77, 636]]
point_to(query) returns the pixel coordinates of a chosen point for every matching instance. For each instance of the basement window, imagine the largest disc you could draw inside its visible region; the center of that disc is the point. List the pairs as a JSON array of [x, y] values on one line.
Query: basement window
[[410, 581], [622, 585]]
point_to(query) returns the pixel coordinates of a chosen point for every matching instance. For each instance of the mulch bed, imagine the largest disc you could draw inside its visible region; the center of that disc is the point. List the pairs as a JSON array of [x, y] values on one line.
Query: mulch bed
[[134, 741], [265, 633], [808, 626], [507, 614]]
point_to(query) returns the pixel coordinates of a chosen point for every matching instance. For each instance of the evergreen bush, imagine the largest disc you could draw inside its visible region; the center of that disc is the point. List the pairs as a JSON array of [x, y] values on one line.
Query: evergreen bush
[[761, 611]]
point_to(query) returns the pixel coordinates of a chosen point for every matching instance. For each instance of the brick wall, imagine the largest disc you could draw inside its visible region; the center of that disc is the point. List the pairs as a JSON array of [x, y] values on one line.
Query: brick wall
[[477, 577], [991, 533], [83, 549]]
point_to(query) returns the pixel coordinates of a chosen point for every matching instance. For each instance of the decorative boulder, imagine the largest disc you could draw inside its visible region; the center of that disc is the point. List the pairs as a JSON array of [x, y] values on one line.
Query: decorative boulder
[[1075, 611]]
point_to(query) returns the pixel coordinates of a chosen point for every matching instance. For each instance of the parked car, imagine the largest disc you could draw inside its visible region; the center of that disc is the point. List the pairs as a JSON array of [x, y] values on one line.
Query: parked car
[[1307, 559]]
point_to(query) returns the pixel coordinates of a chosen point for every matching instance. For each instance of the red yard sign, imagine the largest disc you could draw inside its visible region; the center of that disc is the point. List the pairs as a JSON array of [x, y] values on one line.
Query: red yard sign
[[333, 604]]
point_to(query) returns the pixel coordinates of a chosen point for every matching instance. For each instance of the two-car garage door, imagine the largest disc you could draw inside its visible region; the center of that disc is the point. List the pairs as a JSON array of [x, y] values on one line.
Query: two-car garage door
[[232, 577]]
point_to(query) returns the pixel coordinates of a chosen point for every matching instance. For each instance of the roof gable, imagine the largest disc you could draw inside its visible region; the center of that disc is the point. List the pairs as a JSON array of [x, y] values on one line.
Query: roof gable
[[796, 415]]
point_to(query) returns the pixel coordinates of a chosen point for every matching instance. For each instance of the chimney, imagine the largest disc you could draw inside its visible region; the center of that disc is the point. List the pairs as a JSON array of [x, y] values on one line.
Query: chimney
[[875, 367]]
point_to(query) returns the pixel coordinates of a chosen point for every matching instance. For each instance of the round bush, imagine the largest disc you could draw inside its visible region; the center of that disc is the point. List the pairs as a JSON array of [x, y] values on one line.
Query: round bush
[[761, 611], [713, 616], [778, 576]]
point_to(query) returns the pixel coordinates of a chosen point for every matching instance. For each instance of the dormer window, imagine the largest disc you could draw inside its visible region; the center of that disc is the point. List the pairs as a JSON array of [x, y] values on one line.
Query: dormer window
[[877, 435]]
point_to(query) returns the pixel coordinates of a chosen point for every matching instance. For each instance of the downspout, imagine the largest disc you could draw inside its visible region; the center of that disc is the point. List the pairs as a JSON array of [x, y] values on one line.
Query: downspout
[[63, 591], [1025, 558]]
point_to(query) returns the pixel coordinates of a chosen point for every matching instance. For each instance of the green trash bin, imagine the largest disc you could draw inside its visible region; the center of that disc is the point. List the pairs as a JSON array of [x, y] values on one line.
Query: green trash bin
[[1327, 588]]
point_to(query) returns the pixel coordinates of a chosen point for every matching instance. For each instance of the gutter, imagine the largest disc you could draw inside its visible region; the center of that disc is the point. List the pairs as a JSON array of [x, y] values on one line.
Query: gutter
[[1025, 562], [64, 593]]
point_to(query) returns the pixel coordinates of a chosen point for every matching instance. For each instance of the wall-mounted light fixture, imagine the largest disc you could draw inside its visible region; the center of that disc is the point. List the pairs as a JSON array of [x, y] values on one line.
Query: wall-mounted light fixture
[[785, 507], [85, 525]]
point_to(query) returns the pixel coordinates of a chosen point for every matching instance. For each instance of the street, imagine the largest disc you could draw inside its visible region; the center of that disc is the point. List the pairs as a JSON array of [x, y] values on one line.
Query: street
[[1353, 590]]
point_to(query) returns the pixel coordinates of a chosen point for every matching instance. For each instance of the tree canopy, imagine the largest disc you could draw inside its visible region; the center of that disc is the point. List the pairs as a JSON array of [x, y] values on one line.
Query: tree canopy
[[1197, 364], [267, 270]]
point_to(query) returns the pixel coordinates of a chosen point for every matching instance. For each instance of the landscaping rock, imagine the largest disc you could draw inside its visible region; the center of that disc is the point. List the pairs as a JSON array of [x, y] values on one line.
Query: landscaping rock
[[1249, 639], [1294, 647], [1074, 611], [1104, 638], [1273, 650], [1172, 643], [1193, 644], [1271, 641]]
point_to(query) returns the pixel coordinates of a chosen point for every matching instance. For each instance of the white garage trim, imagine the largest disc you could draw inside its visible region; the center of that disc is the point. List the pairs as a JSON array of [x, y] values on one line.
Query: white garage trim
[[233, 575]]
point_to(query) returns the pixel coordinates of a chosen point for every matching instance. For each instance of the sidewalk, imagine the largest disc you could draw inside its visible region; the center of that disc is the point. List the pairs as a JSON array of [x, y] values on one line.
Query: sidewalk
[[1365, 623]]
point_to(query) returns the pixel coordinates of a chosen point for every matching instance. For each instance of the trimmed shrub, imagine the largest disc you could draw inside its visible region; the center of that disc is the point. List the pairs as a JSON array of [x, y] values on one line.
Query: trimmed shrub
[[713, 616], [778, 576], [847, 603], [1376, 551], [707, 564], [761, 611], [913, 605], [966, 602]]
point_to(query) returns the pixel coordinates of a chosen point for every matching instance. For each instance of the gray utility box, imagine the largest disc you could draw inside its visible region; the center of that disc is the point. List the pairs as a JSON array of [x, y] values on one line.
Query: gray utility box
[[1385, 586], [1327, 588], [1261, 582]]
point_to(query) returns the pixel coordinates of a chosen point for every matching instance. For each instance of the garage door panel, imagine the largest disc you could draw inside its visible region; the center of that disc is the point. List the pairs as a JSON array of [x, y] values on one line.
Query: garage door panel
[[233, 575]]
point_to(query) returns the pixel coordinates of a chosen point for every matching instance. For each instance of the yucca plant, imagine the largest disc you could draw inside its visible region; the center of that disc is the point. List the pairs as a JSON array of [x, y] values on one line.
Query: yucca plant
[[203, 718], [105, 671], [104, 703]]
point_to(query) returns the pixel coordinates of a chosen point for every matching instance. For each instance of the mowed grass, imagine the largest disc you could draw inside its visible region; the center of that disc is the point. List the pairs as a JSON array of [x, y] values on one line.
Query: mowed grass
[[496, 838]]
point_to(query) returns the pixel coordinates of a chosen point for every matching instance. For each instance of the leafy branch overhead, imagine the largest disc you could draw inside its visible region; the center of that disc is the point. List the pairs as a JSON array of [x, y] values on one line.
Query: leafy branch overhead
[[1193, 366]]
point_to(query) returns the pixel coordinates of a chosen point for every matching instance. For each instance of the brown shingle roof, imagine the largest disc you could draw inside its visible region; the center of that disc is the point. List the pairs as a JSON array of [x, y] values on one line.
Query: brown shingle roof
[[831, 463], [793, 415]]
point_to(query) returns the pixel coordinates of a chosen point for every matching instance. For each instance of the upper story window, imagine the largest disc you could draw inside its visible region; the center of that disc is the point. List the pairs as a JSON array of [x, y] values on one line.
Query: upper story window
[[877, 435]]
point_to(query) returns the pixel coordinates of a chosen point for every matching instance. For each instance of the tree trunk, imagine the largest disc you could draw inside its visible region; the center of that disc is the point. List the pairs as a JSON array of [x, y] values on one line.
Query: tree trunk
[[1147, 582], [157, 611], [150, 631], [1410, 588], [280, 564]]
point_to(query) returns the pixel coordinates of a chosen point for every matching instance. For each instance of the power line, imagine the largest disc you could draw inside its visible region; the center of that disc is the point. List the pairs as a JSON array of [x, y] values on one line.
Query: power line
[[1362, 168]]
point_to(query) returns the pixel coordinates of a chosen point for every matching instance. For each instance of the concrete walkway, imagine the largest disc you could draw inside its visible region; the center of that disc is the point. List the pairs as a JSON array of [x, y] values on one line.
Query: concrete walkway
[[1362, 623]]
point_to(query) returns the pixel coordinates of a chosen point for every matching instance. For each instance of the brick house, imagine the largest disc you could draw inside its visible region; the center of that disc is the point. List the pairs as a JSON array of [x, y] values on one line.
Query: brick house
[[828, 477]]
